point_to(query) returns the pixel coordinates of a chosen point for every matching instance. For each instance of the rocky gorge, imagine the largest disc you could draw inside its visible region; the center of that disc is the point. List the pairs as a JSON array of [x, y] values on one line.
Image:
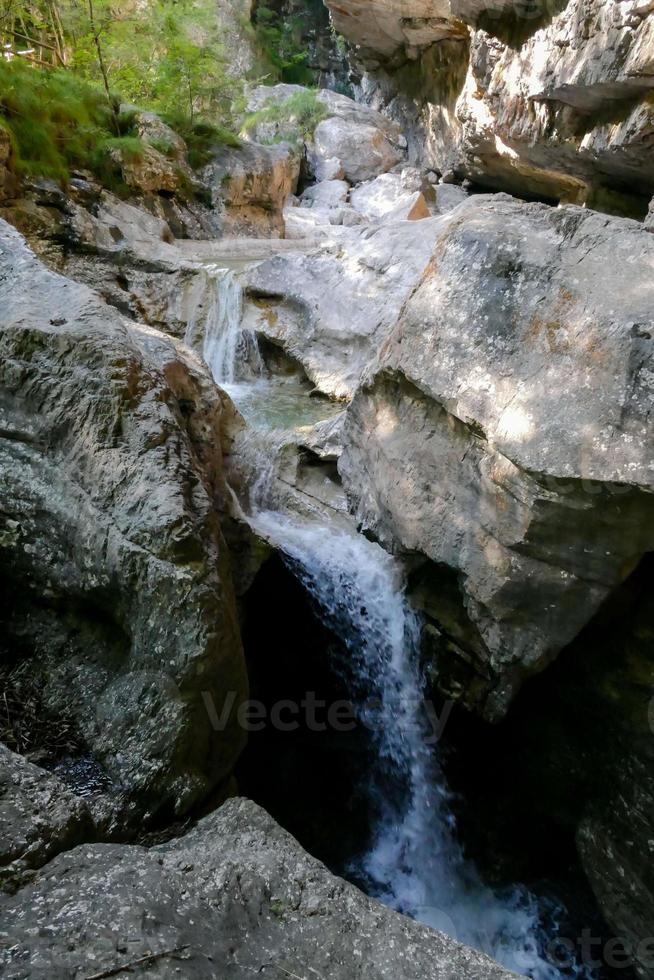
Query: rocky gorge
[[327, 519]]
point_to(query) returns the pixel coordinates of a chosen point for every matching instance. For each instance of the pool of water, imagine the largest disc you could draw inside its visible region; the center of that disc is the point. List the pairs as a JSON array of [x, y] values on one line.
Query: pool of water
[[280, 404]]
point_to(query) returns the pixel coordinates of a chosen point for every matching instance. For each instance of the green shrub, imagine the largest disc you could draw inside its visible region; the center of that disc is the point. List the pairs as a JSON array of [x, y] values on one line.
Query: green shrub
[[302, 111], [200, 137], [56, 120]]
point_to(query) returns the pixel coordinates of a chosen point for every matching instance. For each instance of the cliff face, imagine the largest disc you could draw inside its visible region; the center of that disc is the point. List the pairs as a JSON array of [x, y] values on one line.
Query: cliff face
[[549, 100]]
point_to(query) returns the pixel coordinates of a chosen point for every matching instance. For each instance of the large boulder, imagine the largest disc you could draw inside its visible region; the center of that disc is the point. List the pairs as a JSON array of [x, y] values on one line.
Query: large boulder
[[251, 184], [233, 898], [364, 151], [112, 561], [391, 194], [39, 817], [147, 171], [331, 309], [503, 433]]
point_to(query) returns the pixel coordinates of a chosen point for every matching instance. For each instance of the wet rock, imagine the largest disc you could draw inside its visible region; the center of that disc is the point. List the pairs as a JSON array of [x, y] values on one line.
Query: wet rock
[[251, 184], [111, 553], [331, 309], [237, 891], [39, 817], [517, 384]]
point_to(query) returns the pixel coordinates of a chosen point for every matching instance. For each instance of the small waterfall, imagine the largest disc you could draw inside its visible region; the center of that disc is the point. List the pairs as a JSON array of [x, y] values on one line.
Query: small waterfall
[[214, 327], [415, 863]]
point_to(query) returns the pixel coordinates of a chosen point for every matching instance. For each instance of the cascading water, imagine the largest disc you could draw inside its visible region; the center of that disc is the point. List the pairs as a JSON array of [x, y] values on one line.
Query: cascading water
[[415, 863], [215, 322]]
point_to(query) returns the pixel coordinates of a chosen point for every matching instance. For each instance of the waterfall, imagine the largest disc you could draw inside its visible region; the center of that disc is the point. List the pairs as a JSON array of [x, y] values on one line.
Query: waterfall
[[415, 863], [214, 326]]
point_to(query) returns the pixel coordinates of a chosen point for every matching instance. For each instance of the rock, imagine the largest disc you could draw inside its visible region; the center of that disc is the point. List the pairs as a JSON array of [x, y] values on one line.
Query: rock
[[390, 31], [503, 432], [39, 817], [151, 128], [7, 179], [649, 220], [330, 169], [331, 309], [234, 895], [252, 184], [448, 197], [148, 172], [557, 106], [326, 194], [363, 150], [112, 558], [388, 195]]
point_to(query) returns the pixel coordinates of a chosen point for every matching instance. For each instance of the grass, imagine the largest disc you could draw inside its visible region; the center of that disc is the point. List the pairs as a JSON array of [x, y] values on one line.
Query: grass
[[59, 123], [302, 111]]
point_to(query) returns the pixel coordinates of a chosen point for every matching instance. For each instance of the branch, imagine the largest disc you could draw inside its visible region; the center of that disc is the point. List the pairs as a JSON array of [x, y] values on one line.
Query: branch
[[141, 961]]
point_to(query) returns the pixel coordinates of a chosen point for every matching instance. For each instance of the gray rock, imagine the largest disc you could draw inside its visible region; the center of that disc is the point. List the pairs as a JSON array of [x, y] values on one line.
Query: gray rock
[[649, 220], [504, 432], [390, 194], [331, 309], [448, 197], [364, 150], [113, 563], [39, 816], [326, 194], [235, 897]]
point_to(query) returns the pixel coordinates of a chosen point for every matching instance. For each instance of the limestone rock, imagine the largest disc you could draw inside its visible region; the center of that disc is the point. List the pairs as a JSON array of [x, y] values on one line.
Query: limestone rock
[[389, 196], [39, 816], [557, 106], [448, 197], [151, 128], [326, 193], [230, 898], [331, 309], [253, 183], [111, 554], [363, 150], [503, 433]]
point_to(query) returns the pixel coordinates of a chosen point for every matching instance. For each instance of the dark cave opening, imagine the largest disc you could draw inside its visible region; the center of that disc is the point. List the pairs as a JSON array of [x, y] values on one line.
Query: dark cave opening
[[519, 787]]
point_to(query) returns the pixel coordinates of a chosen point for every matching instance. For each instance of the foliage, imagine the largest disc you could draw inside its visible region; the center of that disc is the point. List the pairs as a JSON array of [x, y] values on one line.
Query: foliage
[[280, 40], [301, 112], [200, 137], [57, 120]]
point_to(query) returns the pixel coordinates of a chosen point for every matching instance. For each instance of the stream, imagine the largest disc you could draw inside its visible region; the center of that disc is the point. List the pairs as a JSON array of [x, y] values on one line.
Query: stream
[[414, 862]]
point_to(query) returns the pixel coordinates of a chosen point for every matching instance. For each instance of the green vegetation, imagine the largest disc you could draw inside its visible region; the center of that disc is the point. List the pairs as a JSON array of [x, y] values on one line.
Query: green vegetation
[[280, 39], [66, 65], [301, 113]]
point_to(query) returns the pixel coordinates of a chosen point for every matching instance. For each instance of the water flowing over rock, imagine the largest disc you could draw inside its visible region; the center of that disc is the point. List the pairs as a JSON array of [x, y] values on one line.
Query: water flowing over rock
[[113, 560], [503, 431], [235, 895]]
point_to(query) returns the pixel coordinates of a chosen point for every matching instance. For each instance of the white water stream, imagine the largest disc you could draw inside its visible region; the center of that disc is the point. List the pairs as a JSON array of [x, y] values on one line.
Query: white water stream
[[415, 863]]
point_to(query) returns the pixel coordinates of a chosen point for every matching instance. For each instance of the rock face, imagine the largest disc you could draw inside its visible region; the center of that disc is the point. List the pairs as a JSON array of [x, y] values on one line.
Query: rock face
[[252, 184], [235, 895], [503, 432], [111, 553], [389, 194], [6, 177], [331, 309], [39, 816], [549, 103]]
